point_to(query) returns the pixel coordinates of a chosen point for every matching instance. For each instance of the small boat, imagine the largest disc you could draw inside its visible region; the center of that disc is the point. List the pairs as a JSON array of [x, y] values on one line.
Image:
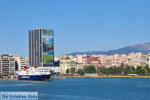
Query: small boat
[[34, 74]]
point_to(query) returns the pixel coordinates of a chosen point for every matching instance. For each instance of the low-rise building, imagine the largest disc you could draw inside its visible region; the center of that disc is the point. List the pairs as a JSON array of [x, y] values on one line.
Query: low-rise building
[[24, 62], [67, 62], [93, 61], [79, 61], [21, 62]]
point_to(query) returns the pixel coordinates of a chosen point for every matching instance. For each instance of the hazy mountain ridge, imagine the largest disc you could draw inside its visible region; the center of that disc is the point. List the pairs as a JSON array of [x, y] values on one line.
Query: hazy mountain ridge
[[144, 48]]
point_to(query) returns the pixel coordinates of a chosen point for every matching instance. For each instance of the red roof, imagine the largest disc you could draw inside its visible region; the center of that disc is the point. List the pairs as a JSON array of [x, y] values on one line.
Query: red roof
[[92, 59]]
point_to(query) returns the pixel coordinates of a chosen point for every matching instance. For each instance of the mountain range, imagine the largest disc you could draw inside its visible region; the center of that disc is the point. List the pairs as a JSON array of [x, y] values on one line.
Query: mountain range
[[143, 48]]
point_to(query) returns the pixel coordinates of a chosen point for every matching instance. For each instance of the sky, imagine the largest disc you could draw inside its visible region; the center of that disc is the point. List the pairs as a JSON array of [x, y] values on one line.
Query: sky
[[79, 25]]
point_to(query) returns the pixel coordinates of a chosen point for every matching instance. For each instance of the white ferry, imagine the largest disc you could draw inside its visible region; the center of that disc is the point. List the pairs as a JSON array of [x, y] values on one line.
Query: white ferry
[[35, 74]]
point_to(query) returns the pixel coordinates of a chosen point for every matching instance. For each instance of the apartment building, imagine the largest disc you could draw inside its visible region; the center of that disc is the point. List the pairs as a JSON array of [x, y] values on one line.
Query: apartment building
[[67, 62], [21, 62], [24, 62], [7, 65]]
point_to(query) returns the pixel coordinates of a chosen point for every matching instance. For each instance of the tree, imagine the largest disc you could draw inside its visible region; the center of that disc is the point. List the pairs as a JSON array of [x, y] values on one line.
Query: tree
[[127, 70], [52, 72], [67, 71], [72, 70], [121, 69], [139, 70], [80, 72], [112, 71], [146, 69], [133, 71], [101, 70], [97, 71], [89, 69]]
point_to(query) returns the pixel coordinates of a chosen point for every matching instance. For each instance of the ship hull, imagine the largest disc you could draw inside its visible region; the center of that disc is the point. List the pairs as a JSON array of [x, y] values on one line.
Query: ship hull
[[34, 77]]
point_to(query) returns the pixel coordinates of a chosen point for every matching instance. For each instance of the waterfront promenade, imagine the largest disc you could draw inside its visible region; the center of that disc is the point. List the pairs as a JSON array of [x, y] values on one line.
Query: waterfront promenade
[[111, 76], [4, 79]]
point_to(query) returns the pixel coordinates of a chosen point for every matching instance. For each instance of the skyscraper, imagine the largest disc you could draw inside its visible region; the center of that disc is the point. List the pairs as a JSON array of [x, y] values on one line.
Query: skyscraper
[[41, 47]]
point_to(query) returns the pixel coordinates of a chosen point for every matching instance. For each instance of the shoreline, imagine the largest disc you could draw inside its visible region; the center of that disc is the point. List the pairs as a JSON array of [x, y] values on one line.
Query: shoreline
[[112, 76], [6, 79]]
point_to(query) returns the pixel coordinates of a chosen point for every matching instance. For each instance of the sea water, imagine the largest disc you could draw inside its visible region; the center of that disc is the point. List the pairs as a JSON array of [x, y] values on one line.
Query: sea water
[[83, 88]]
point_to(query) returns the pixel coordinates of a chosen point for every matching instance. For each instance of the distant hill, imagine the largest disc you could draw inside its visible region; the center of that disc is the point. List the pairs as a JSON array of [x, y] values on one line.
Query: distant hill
[[144, 48]]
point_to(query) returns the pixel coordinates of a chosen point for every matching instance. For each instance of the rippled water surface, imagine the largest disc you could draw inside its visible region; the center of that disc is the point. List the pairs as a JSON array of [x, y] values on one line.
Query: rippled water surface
[[84, 88]]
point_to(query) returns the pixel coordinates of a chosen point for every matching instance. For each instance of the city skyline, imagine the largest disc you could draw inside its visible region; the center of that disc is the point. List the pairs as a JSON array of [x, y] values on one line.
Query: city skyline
[[79, 25]]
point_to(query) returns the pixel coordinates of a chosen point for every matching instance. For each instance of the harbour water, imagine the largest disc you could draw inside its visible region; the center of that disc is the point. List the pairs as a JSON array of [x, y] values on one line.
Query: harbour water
[[84, 88]]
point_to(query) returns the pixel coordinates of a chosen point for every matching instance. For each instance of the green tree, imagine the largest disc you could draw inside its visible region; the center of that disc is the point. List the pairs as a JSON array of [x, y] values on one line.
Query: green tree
[[140, 71], [133, 71], [112, 71], [127, 70], [72, 70], [51, 72], [101, 70], [115, 71], [89, 69], [121, 69], [146, 70], [80, 72], [67, 71], [97, 71]]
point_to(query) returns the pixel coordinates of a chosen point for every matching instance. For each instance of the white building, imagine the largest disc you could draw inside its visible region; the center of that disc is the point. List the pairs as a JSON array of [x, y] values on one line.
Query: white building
[[7, 65], [67, 62], [21, 62], [24, 62]]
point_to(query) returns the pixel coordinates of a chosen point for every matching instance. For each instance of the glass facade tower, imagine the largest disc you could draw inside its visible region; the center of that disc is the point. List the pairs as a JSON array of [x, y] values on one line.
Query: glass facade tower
[[41, 48]]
